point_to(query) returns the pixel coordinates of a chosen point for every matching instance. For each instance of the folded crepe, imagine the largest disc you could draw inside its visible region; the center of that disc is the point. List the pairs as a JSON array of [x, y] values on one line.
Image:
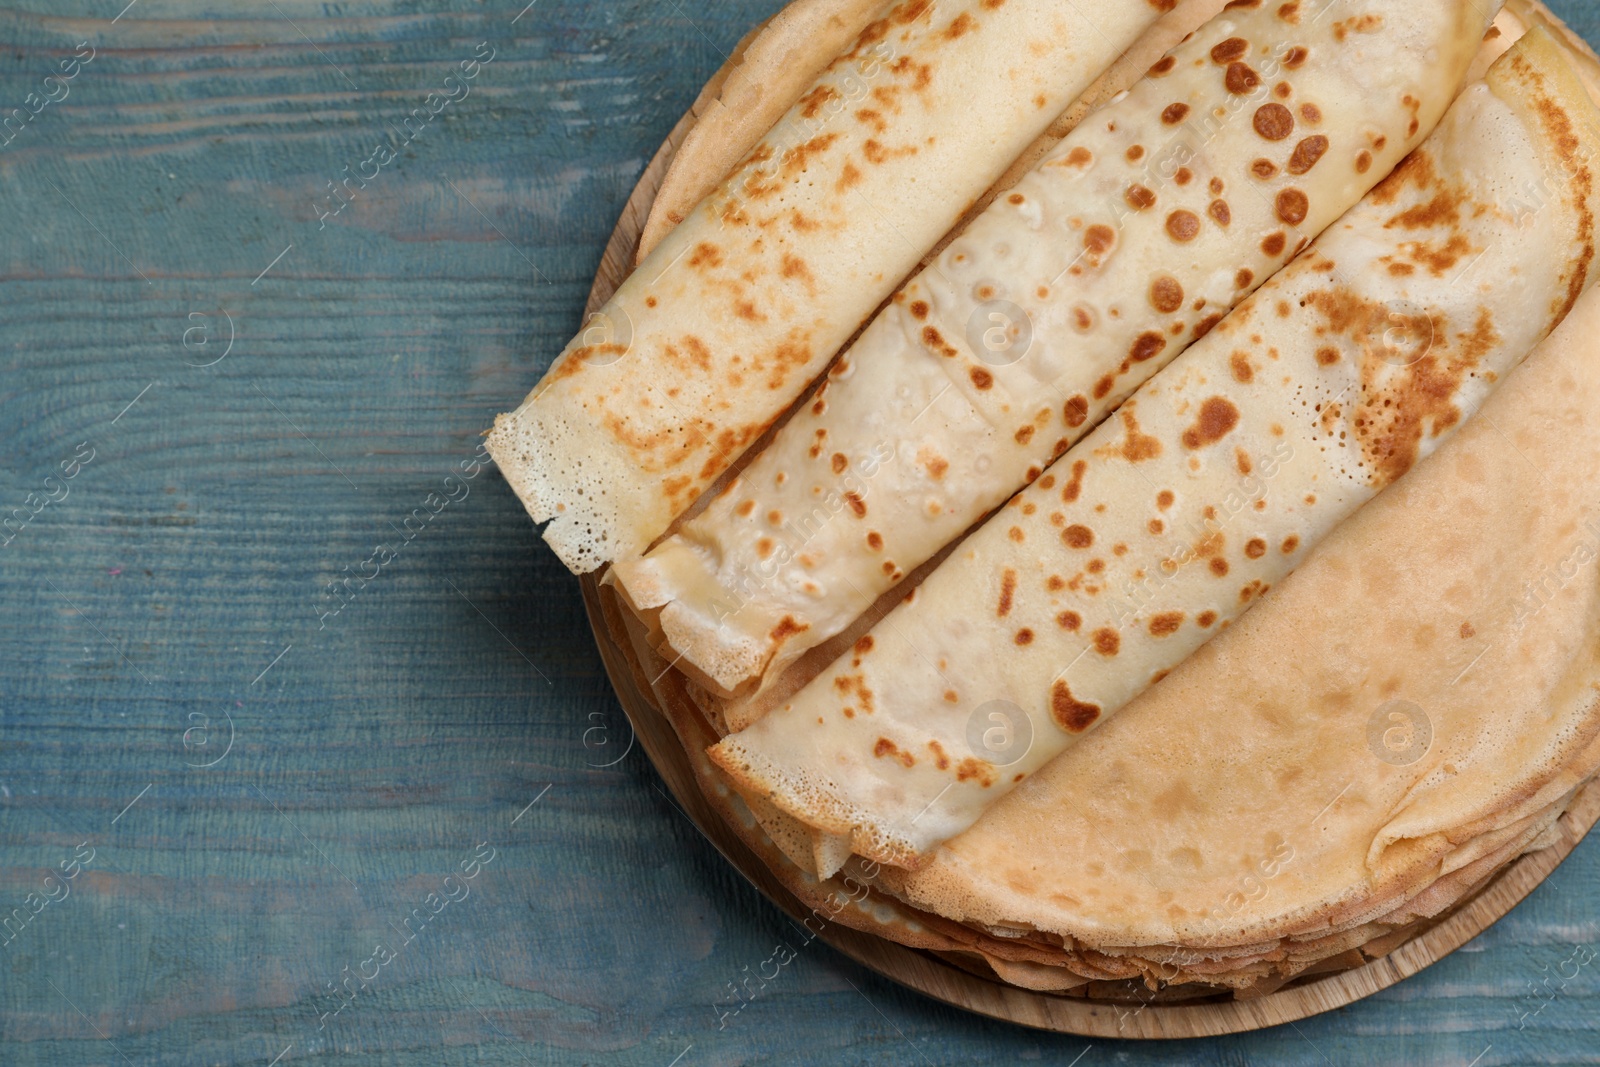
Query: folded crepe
[[1424, 689], [1207, 486], [739, 308], [1525, 553], [1200, 837], [1130, 240]]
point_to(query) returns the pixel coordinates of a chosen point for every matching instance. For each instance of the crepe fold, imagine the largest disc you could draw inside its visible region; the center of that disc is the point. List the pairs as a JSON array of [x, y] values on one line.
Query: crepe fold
[[1294, 780], [1207, 486], [1128, 241], [739, 307], [1216, 833]]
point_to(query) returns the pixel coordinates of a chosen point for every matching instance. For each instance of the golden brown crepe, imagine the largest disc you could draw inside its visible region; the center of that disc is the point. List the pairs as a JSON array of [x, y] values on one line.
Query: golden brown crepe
[[1269, 844], [769, 70], [1425, 684], [739, 308], [1517, 543], [1055, 304], [1208, 485]]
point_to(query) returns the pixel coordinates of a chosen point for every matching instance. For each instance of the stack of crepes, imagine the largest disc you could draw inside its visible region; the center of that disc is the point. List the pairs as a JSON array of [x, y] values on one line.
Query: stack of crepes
[[1281, 641]]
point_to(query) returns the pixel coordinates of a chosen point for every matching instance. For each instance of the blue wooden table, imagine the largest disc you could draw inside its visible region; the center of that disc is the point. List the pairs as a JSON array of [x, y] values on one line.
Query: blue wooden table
[[306, 754]]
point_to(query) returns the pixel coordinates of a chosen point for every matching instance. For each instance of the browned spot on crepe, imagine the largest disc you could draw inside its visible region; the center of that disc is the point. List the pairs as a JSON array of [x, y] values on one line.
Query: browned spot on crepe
[[1218, 417], [1273, 121], [786, 629], [1166, 624], [1071, 714], [1008, 588]]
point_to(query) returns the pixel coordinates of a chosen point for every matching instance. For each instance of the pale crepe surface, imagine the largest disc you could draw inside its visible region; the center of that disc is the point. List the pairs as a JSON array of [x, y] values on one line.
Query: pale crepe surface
[[1132, 238]]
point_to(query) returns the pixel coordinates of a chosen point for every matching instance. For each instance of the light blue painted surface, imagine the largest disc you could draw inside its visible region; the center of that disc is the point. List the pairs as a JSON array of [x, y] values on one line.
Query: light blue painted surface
[[177, 584]]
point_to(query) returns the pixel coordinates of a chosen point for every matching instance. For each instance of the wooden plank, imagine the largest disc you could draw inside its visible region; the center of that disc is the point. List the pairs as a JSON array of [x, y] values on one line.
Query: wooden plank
[[373, 757]]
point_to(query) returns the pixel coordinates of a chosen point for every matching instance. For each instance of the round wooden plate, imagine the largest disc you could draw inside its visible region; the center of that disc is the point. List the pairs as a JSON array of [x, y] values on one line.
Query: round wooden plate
[[932, 975]]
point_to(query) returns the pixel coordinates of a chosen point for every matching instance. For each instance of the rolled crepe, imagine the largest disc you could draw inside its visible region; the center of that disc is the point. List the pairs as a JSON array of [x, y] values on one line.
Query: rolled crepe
[[765, 75], [1208, 485], [1126, 243], [740, 307]]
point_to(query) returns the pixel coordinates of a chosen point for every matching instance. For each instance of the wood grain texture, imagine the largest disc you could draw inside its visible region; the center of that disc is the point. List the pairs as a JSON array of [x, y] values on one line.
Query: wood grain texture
[[371, 759]]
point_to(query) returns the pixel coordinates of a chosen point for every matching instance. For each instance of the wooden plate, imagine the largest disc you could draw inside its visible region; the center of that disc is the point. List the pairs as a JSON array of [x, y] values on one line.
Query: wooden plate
[[933, 975]]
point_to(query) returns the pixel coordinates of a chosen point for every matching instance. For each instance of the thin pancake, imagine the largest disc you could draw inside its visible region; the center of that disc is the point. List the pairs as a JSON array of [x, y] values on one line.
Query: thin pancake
[[1130, 240], [739, 308], [1209, 485], [1427, 681], [962, 874]]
